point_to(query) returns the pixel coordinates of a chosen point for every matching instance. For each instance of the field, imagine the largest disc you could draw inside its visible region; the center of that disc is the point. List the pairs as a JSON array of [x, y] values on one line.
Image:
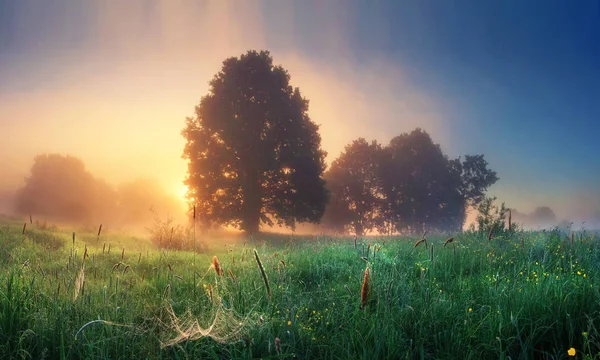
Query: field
[[524, 296]]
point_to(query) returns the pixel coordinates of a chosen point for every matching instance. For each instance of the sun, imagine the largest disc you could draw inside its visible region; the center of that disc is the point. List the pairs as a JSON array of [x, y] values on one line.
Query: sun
[[182, 191]]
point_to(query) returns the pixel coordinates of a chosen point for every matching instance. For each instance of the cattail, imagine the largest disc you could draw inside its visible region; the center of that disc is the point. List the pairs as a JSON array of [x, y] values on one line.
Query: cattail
[[24, 227], [262, 272], [364, 293], [509, 220], [572, 238], [170, 268], [419, 242], [432, 254], [122, 254], [85, 253], [490, 233], [103, 247], [354, 242], [230, 274], [217, 266], [73, 239], [368, 250], [30, 219], [194, 212], [108, 249], [448, 241], [140, 258], [277, 346]]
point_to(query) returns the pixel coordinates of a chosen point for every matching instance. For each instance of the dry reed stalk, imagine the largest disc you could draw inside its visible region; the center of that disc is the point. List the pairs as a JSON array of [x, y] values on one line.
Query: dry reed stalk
[[419, 242], [217, 266], [262, 272], [449, 240], [364, 292], [277, 346]]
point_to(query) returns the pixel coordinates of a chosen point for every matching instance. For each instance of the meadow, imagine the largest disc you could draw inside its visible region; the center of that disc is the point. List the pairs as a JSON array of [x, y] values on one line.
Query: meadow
[[522, 295]]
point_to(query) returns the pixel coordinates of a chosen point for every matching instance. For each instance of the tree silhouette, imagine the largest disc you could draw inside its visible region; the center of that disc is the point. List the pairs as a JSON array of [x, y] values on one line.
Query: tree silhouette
[[353, 183], [59, 187], [408, 185], [254, 155]]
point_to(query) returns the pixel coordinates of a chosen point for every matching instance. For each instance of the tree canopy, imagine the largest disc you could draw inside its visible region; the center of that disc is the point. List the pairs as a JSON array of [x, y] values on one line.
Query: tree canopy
[[254, 155], [408, 185], [355, 188]]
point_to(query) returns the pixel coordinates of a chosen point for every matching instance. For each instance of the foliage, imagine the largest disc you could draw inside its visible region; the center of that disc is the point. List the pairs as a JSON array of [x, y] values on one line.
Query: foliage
[[254, 154], [354, 185], [407, 186], [166, 234], [491, 217]]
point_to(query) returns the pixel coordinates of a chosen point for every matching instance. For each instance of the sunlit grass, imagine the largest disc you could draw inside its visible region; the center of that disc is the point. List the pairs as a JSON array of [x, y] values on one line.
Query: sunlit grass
[[531, 295]]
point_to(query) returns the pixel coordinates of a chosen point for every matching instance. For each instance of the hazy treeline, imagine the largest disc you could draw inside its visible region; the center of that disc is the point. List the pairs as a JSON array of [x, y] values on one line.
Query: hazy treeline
[[407, 185], [59, 188]]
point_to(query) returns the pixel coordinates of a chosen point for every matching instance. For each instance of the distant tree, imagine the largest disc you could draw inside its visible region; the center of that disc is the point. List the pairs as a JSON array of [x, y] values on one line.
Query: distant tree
[[254, 155], [543, 216], [354, 186], [59, 187], [425, 189]]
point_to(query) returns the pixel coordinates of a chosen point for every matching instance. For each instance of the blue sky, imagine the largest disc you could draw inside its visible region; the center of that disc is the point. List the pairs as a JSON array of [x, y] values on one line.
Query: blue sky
[[517, 81]]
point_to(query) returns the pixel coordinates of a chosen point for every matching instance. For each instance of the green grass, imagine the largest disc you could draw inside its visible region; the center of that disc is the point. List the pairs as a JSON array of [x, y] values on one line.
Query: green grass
[[475, 300]]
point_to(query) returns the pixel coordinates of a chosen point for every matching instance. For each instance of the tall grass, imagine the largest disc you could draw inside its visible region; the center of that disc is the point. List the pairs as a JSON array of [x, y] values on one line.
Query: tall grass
[[527, 295]]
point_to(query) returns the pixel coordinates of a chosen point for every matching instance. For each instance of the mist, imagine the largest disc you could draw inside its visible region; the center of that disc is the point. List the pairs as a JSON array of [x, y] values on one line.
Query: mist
[[112, 83]]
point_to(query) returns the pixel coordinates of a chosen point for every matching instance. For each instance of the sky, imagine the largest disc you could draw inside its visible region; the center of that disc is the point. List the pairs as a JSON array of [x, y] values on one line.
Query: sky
[[112, 82]]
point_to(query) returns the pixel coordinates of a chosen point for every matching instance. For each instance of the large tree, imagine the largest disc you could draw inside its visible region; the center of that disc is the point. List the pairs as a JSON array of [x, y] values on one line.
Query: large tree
[[353, 183], [254, 155]]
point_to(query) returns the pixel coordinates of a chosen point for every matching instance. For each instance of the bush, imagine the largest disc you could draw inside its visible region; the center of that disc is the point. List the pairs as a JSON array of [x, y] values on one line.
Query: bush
[[166, 234]]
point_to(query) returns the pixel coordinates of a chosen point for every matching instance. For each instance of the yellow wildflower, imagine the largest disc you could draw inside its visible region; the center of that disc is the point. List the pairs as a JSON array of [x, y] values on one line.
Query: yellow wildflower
[[571, 352]]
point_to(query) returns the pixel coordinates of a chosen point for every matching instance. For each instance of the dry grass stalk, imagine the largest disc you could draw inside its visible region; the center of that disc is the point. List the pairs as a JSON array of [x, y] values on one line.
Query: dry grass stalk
[[277, 346], [217, 266], [262, 272], [364, 292], [79, 283], [419, 242], [449, 240]]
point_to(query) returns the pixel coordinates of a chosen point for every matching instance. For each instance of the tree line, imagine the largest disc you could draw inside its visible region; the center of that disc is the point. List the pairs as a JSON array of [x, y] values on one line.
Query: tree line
[[254, 157]]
